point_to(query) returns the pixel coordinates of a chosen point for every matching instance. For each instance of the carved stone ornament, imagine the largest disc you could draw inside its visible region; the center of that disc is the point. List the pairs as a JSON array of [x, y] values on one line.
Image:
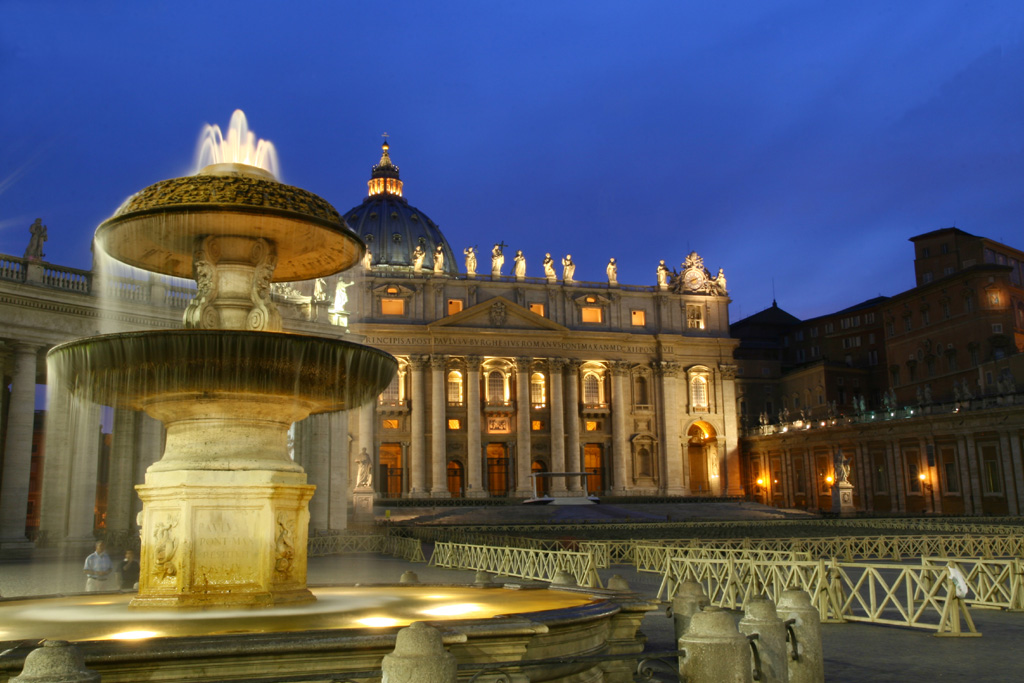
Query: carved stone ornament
[[728, 371], [284, 546], [498, 314], [165, 549]]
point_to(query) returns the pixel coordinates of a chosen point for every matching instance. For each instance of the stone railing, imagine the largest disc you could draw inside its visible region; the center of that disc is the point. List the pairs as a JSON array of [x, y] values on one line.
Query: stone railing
[[12, 268]]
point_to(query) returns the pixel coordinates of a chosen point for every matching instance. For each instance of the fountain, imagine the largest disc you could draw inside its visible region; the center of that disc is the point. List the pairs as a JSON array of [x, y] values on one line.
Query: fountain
[[225, 510]]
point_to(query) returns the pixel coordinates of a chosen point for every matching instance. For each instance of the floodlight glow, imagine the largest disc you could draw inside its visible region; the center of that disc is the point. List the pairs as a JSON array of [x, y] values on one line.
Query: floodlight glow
[[378, 622], [452, 610]]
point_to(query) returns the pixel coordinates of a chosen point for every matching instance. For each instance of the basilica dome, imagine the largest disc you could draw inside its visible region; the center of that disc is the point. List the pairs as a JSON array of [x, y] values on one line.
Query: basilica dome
[[392, 228]]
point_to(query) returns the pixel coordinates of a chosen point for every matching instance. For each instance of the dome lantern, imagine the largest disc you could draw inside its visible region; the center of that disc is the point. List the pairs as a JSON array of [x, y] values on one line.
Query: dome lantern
[[384, 177]]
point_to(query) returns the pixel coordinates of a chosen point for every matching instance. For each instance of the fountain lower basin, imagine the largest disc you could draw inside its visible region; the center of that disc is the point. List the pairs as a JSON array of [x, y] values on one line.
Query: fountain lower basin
[[349, 629]]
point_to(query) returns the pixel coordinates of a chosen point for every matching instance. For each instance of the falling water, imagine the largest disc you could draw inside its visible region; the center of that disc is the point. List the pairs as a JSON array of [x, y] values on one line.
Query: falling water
[[240, 146]]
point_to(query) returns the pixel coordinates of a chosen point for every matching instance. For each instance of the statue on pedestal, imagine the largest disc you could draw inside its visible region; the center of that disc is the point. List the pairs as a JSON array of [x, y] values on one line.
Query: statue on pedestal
[[841, 464], [497, 260], [549, 268], [34, 251], [612, 270], [470, 253], [367, 258], [418, 254], [438, 260], [568, 268], [520, 264], [663, 274], [364, 470]]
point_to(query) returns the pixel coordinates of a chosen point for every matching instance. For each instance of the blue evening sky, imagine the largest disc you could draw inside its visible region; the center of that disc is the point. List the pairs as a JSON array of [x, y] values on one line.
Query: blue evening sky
[[795, 141]]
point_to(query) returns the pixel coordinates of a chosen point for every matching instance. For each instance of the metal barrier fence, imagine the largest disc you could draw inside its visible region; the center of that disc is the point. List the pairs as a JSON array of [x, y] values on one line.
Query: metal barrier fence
[[524, 563], [897, 595], [654, 558], [409, 549], [993, 583]]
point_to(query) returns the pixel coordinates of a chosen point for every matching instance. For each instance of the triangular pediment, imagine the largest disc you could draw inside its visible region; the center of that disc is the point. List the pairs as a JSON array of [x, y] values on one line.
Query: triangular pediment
[[499, 313]]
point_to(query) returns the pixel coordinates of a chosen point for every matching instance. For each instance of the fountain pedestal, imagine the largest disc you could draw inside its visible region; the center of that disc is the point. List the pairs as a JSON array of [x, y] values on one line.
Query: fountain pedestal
[[224, 538]]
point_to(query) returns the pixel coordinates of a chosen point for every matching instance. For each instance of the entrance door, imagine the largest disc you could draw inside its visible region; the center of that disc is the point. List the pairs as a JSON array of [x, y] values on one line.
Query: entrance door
[[390, 477], [497, 469], [699, 483], [543, 484], [456, 485], [593, 465]]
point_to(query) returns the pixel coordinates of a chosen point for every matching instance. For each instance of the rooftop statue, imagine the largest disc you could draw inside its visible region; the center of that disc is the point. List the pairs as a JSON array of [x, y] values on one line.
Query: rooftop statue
[[720, 282], [612, 270], [367, 259], [663, 275], [549, 268], [34, 251], [438, 260], [568, 268], [470, 253], [520, 264], [497, 260], [418, 254]]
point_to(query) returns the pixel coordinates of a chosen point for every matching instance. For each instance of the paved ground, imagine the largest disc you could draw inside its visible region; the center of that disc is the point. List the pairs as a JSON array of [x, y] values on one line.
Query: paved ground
[[853, 652]]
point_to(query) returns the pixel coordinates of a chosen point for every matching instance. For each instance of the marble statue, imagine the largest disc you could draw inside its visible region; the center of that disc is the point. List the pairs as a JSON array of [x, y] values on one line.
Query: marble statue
[[663, 273], [928, 393], [470, 253], [965, 390], [568, 268], [720, 282], [841, 464], [367, 259], [418, 254], [438, 260], [497, 260], [549, 268], [320, 289], [520, 264], [612, 270], [34, 251], [364, 470]]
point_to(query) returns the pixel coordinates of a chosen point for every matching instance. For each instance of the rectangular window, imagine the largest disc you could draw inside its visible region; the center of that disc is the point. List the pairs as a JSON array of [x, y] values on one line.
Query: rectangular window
[[454, 306], [945, 310], [392, 306], [907, 325], [950, 479], [639, 318], [537, 425], [997, 328], [890, 329], [829, 328], [593, 425], [454, 424], [389, 424], [538, 309], [992, 481], [913, 473], [881, 477], [591, 314], [798, 475], [925, 318]]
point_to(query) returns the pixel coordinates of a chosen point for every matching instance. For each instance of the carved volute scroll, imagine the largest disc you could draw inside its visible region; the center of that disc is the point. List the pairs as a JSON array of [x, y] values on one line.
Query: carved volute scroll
[[201, 313], [263, 316]]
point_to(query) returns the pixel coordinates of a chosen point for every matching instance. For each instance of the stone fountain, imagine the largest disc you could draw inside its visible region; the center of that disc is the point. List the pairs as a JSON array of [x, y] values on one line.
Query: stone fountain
[[225, 510]]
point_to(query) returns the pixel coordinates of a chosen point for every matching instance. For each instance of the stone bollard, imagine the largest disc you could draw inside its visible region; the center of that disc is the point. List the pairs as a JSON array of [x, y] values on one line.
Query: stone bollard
[[419, 657], [563, 578], [808, 665], [689, 599], [715, 651], [762, 619], [409, 577], [617, 583], [57, 661], [482, 578]]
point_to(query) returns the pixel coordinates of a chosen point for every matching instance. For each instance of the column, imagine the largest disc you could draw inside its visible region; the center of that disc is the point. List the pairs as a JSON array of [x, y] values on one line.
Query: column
[[59, 428], [18, 446], [675, 469], [896, 468], [417, 466], [474, 455], [84, 468], [339, 458], [438, 454], [620, 412], [121, 476], [1018, 469], [367, 420], [1012, 483], [557, 424], [316, 450], [524, 456], [730, 460], [975, 470], [574, 456]]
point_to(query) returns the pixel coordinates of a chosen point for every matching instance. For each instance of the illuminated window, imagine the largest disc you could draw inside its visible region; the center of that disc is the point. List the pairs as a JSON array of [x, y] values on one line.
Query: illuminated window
[[593, 425], [454, 424], [392, 306], [537, 425], [537, 389], [454, 306], [591, 314], [393, 394], [591, 389], [496, 388], [389, 424], [537, 308], [455, 387], [639, 318], [993, 298], [694, 316]]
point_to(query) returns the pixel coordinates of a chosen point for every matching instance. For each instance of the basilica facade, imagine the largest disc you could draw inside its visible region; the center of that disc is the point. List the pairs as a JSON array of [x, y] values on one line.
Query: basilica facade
[[511, 383]]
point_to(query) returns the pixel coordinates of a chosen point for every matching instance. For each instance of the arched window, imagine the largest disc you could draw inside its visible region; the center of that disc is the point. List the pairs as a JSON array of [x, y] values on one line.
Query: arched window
[[455, 388], [641, 391], [495, 387], [591, 389], [699, 393], [538, 393]]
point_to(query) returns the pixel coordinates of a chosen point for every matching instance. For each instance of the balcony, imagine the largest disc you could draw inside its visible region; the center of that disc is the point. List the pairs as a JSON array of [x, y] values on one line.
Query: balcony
[[387, 406], [499, 407]]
